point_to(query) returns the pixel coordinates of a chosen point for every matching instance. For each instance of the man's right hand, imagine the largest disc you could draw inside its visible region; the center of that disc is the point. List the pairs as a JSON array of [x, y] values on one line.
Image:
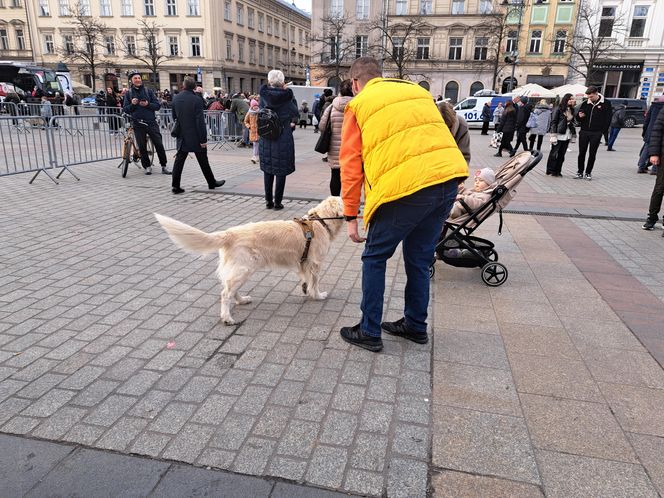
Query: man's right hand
[[134, 101], [204, 146], [654, 160], [582, 114]]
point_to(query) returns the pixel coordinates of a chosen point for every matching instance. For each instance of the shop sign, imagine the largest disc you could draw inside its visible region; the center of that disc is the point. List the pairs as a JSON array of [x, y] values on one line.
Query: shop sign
[[618, 66]]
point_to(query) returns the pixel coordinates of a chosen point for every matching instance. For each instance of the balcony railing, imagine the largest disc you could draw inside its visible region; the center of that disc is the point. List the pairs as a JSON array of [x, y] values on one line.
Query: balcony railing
[[16, 54], [636, 42]]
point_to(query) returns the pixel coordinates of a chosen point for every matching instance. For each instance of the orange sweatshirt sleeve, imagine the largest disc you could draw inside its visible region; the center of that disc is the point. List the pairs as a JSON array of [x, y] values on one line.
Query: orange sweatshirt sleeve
[[350, 161]]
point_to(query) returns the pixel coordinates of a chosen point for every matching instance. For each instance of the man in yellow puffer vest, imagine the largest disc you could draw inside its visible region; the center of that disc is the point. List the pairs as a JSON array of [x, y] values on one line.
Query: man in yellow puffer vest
[[395, 143]]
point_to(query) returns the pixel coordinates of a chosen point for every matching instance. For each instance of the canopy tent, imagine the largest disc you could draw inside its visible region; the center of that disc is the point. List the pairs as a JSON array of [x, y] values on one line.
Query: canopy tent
[[534, 91], [575, 90], [81, 88]]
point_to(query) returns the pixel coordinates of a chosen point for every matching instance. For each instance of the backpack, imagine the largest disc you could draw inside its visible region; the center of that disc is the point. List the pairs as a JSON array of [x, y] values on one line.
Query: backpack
[[269, 124]]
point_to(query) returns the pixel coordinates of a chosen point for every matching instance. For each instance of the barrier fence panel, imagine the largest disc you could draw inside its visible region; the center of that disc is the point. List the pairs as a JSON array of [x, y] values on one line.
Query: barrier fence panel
[[25, 146]]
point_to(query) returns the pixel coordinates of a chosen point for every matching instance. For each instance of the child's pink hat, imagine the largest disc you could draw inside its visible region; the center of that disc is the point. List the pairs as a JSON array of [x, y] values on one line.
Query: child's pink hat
[[486, 174], [253, 103]]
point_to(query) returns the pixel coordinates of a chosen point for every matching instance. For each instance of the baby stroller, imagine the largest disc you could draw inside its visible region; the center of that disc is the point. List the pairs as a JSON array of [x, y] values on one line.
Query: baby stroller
[[458, 247]]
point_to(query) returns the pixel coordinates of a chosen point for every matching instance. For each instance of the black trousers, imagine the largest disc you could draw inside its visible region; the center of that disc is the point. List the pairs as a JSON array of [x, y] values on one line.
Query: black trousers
[[335, 181], [588, 142], [268, 180], [203, 162], [506, 142], [521, 138], [554, 164], [152, 130], [485, 128], [657, 195], [540, 139]]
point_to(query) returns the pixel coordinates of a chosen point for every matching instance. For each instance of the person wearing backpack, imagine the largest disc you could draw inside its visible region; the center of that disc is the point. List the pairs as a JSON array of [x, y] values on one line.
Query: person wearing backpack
[[617, 123], [276, 146]]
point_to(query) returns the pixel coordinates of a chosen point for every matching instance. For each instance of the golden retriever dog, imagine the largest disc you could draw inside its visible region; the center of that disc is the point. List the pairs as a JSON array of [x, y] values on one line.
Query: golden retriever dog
[[247, 248]]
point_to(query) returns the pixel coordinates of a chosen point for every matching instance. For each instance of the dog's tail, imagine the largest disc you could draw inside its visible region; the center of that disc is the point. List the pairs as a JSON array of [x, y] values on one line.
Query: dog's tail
[[190, 238]]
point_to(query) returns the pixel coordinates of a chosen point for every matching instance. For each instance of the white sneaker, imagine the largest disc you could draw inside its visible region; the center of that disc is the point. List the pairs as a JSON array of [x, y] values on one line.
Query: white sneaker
[[253, 159], [148, 170], [589, 177]]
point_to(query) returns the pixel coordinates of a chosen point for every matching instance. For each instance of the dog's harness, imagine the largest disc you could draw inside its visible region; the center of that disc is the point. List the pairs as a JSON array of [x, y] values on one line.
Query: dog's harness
[[307, 226]]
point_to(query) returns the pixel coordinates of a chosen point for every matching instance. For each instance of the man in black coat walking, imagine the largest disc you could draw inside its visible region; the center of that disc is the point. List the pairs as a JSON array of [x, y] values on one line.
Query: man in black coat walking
[[522, 117], [656, 153], [486, 118], [594, 117], [188, 112]]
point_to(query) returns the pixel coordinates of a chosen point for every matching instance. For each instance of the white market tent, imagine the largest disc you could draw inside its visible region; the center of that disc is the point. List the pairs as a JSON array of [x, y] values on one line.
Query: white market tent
[[575, 90], [535, 91]]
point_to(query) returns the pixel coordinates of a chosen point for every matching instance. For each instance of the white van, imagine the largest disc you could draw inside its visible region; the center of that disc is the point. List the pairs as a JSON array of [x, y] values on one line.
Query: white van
[[301, 92], [470, 109]]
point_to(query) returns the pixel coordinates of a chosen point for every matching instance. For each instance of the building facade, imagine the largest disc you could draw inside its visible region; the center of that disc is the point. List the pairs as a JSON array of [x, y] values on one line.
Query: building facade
[[225, 44], [634, 68], [15, 39], [536, 36], [459, 46]]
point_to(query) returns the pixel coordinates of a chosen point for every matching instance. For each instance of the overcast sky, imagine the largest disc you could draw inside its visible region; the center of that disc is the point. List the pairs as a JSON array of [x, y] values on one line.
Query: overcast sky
[[303, 4]]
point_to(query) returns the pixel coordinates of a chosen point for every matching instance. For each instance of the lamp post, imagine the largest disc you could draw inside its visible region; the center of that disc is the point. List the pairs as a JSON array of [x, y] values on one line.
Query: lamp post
[[513, 7]]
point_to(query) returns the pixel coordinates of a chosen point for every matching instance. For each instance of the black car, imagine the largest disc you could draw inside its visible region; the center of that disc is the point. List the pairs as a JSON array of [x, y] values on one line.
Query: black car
[[636, 110]]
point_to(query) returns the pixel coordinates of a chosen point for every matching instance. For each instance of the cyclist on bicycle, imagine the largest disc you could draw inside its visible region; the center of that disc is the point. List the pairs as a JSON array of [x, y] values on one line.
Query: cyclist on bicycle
[[141, 103]]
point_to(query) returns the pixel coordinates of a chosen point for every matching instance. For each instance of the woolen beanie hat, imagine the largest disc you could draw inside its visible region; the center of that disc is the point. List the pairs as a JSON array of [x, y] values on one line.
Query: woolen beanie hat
[[253, 103], [487, 175]]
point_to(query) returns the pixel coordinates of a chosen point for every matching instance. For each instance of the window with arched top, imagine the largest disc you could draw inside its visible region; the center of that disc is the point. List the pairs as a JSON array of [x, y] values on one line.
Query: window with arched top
[[452, 91], [425, 85], [476, 87]]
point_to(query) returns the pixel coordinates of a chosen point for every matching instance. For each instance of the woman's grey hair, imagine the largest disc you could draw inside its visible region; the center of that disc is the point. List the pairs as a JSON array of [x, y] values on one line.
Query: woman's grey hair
[[275, 78]]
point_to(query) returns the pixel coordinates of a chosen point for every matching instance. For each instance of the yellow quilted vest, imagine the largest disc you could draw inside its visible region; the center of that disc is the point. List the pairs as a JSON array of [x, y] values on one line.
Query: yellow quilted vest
[[406, 145]]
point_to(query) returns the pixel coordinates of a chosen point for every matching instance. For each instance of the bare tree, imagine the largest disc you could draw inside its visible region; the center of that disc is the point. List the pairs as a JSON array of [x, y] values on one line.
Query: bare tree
[[398, 43], [89, 31], [149, 49], [496, 28], [337, 49], [590, 44]]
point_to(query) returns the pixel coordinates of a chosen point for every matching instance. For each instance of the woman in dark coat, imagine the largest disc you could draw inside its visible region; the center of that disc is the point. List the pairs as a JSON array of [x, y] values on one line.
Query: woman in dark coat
[[507, 126], [278, 156], [562, 132]]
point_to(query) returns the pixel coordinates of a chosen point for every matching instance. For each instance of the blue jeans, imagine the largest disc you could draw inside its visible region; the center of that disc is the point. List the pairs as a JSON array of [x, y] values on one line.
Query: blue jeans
[[415, 220], [613, 134]]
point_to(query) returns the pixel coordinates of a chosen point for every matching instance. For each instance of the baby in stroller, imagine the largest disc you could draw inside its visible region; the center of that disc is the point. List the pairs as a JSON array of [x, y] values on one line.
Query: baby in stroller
[[469, 200]]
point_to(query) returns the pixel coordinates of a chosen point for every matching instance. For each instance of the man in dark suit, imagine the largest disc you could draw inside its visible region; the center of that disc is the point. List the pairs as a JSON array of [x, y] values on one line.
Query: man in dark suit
[[188, 111]]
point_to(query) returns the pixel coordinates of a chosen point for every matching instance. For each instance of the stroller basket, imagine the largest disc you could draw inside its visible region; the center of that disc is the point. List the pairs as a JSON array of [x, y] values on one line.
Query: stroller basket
[[452, 252], [458, 247]]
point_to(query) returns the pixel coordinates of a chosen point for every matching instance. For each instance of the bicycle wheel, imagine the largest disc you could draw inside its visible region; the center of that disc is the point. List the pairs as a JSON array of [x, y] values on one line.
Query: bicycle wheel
[[126, 157], [150, 147]]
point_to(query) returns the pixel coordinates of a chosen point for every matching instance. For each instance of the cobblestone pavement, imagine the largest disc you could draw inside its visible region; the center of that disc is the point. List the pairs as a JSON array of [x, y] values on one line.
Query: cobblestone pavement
[[92, 292]]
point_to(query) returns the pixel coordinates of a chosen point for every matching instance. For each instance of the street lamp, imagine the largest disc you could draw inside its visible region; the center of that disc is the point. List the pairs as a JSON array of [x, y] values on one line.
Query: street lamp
[[513, 7]]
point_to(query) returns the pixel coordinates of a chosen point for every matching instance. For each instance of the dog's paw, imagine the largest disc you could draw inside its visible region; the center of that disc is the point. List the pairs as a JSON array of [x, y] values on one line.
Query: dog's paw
[[320, 296], [228, 320], [243, 300]]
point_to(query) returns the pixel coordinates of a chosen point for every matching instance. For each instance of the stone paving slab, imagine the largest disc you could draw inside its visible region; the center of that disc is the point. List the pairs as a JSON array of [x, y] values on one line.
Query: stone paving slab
[[39, 468]]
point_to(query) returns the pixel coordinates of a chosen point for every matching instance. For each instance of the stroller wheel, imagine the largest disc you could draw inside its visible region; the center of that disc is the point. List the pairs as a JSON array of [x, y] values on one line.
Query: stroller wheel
[[432, 270], [491, 254], [494, 274]]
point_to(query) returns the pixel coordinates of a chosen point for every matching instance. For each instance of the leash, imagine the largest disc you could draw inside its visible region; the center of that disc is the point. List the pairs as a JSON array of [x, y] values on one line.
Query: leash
[[306, 223]]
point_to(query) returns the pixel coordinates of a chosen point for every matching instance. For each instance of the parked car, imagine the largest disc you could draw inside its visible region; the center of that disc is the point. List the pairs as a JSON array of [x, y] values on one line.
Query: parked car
[[636, 110], [6, 88], [470, 109], [89, 101]]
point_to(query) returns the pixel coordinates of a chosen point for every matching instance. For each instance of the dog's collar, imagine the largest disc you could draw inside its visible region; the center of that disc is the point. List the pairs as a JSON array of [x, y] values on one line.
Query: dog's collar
[[315, 217]]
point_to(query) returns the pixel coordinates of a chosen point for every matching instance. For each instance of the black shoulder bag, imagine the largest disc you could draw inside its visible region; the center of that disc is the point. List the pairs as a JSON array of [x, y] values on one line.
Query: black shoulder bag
[[323, 144]]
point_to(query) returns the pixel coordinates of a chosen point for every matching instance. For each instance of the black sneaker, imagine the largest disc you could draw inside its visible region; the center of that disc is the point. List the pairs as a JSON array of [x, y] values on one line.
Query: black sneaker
[[355, 335], [400, 329], [589, 177], [579, 176], [649, 225]]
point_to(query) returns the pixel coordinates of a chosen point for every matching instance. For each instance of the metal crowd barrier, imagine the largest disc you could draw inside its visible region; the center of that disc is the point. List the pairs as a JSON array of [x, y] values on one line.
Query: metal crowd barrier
[[30, 142]]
